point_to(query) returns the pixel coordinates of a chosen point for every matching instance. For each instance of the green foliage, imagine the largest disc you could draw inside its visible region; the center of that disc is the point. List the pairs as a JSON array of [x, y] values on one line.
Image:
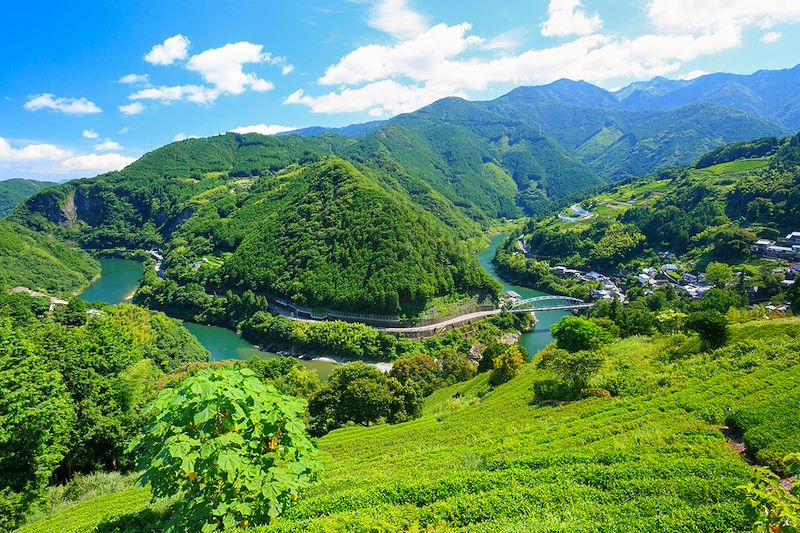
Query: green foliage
[[507, 365], [75, 312], [712, 326], [42, 263], [361, 394], [719, 274], [15, 191], [37, 415], [422, 370], [574, 334], [234, 448], [763, 147], [769, 505]]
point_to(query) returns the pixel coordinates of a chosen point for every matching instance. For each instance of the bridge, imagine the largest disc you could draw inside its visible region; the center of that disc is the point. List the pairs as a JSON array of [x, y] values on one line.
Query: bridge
[[547, 303]]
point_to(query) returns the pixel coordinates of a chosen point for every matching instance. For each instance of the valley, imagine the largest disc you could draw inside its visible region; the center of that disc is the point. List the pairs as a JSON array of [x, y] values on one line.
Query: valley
[[327, 329]]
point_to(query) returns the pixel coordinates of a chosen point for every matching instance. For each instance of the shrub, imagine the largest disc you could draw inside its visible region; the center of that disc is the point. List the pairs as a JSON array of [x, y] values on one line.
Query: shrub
[[574, 369], [576, 333], [235, 449], [712, 326], [507, 365]]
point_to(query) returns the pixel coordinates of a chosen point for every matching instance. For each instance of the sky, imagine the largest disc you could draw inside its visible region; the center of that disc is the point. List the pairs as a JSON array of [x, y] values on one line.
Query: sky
[[87, 87]]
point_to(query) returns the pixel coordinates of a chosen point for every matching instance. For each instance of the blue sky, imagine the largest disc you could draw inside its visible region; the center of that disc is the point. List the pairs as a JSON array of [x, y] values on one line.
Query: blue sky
[[89, 86]]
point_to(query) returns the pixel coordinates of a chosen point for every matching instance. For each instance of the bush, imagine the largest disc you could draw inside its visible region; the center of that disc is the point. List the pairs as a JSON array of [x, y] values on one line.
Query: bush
[[574, 334], [235, 449], [507, 365], [712, 326]]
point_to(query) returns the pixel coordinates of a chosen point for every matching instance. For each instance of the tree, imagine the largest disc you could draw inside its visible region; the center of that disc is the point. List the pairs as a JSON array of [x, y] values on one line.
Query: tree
[[712, 326], [421, 369], [35, 421], [574, 369], [454, 367], [574, 334], [490, 353], [234, 448], [75, 312], [794, 297], [719, 274], [507, 365]]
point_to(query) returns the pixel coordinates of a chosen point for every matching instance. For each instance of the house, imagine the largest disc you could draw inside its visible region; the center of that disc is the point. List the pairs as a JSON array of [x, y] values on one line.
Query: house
[[644, 279], [652, 272], [787, 282], [560, 271], [669, 267], [696, 291], [761, 245], [595, 276], [793, 238], [690, 278], [780, 252], [513, 295]]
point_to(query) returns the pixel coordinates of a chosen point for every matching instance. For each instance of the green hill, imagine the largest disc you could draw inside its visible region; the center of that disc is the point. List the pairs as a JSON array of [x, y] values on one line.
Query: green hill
[[326, 234], [713, 212], [41, 262], [651, 458], [14, 191]]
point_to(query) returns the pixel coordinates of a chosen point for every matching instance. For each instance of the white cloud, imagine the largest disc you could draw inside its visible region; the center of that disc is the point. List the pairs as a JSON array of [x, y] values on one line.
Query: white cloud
[[223, 67], [287, 69], [131, 109], [417, 59], [182, 137], [263, 129], [771, 37], [124, 130], [397, 19], [693, 74], [96, 163], [192, 93], [173, 49], [567, 17], [108, 146], [31, 152], [70, 106], [714, 15], [89, 134], [134, 79], [445, 60]]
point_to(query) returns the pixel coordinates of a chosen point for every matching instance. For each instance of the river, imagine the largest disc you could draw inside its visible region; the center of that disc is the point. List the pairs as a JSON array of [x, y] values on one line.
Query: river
[[540, 336], [121, 277]]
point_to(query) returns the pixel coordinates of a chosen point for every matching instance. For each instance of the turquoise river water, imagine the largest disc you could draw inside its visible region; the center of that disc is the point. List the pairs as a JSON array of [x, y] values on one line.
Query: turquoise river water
[[121, 277]]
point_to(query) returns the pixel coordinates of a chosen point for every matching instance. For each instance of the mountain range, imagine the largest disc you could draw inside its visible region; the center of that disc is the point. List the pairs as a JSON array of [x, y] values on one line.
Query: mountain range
[[453, 167]]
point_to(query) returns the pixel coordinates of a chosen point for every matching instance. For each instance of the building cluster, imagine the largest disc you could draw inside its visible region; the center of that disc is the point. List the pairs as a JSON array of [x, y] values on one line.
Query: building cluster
[[610, 290], [692, 284], [788, 249]]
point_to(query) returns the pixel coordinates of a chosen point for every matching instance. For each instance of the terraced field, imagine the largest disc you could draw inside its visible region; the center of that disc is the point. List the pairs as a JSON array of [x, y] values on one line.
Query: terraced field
[[652, 459]]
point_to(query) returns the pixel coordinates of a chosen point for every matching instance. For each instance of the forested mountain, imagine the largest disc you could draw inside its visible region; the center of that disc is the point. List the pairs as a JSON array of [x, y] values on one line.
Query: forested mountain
[[42, 262], [636, 130], [15, 191]]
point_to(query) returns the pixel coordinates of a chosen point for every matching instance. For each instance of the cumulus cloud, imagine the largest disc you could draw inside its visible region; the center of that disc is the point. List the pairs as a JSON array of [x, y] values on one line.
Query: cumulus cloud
[[693, 74], [108, 146], [287, 69], [446, 60], [96, 163], [131, 109], [171, 50], [567, 17], [224, 67], [134, 79], [397, 19], [771, 37], [263, 129], [70, 106], [31, 152], [182, 137], [192, 93], [89, 134]]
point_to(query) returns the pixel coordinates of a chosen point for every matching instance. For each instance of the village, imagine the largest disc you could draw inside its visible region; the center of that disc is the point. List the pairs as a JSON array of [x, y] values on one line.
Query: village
[[786, 253]]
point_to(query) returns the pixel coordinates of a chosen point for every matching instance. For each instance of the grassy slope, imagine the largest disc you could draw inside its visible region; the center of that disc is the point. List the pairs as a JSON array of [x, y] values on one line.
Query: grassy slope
[[43, 263], [15, 191], [649, 461]]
